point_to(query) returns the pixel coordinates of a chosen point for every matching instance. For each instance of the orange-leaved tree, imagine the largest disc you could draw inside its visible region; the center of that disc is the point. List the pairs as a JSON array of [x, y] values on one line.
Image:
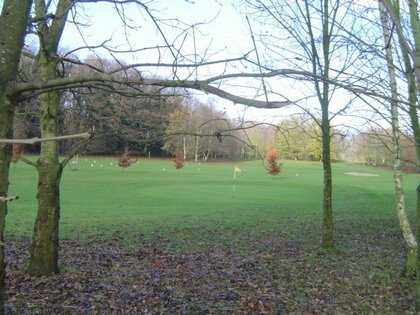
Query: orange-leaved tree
[[272, 162]]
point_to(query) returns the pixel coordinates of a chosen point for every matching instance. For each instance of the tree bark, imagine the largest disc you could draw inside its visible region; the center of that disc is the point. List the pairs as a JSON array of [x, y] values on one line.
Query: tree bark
[[418, 250], [6, 131], [415, 26], [413, 74], [408, 235], [44, 247], [196, 150], [324, 99], [412, 89], [13, 22], [327, 218]]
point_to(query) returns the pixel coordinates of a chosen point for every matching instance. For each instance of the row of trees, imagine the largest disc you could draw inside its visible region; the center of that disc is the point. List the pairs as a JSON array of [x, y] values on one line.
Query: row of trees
[[156, 124], [202, 132], [165, 125], [375, 147], [299, 138], [195, 130], [119, 121]]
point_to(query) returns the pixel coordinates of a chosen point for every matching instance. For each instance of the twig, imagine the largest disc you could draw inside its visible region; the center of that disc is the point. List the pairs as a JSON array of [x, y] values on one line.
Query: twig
[[258, 59], [76, 149]]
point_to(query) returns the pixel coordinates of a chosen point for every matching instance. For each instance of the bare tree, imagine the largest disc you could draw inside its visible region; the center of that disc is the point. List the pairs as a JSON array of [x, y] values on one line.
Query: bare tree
[[311, 28], [396, 136], [410, 50], [44, 248]]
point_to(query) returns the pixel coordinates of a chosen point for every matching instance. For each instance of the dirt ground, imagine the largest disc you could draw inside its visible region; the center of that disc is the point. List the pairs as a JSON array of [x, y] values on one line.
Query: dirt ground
[[274, 274]]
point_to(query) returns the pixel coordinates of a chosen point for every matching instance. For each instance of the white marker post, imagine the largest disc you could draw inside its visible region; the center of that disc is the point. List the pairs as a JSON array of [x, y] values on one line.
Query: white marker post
[[236, 171]]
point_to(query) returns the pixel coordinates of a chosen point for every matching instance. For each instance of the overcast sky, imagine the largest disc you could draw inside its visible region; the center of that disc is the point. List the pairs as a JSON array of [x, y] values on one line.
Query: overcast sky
[[221, 32]]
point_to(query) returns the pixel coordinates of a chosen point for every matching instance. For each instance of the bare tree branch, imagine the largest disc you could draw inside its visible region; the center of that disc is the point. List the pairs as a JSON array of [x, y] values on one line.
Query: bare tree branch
[[85, 135]]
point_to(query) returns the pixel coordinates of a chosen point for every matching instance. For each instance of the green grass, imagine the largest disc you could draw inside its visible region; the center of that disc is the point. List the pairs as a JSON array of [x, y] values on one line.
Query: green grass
[[153, 198], [193, 241]]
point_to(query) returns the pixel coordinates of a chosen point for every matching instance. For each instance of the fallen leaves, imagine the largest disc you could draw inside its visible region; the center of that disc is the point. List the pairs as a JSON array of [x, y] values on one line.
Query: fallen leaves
[[274, 274]]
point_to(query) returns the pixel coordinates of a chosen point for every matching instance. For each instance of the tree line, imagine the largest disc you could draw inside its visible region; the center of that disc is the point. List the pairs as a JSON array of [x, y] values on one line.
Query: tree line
[[155, 124]]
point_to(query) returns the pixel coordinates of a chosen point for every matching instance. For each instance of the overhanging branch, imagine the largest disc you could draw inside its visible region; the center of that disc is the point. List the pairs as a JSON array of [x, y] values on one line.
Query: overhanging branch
[[8, 199], [201, 85], [85, 135]]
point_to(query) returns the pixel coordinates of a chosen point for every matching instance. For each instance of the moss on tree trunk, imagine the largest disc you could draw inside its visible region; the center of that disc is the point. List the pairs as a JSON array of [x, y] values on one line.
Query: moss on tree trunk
[[324, 99], [327, 217], [418, 251], [6, 130], [13, 22], [44, 247]]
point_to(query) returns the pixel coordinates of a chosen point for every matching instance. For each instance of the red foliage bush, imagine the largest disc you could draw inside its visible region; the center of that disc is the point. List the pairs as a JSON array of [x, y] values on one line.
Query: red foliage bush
[[272, 162], [179, 160]]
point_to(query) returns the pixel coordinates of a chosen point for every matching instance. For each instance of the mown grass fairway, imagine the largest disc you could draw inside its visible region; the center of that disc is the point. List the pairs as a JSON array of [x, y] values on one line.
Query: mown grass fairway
[[155, 241], [152, 196]]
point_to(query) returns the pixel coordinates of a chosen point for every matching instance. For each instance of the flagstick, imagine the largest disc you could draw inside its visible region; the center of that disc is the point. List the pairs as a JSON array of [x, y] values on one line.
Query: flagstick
[[234, 183]]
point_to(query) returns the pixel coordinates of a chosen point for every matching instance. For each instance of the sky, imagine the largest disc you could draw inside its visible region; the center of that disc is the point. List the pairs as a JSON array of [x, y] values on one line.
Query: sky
[[221, 31]]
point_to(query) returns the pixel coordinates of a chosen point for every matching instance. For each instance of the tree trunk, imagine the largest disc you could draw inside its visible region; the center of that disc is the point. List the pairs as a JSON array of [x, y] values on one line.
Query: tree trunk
[[44, 247], [196, 150], [415, 25], [418, 251], [324, 98], [409, 73], [327, 218], [407, 233], [13, 22], [415, 28], [6, 131], [184, 148], [414, 118], [323, 93]]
